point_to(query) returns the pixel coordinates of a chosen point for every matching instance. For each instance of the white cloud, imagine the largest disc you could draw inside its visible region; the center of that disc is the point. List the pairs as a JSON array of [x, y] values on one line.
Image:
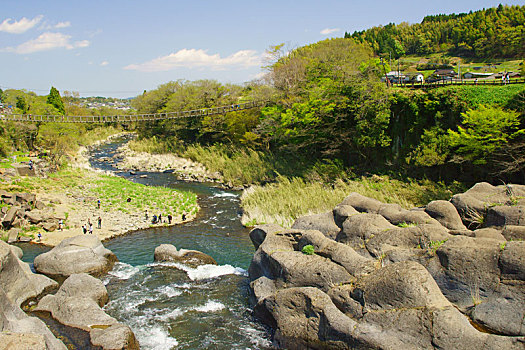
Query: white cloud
[[60, 25], [19, 27], [328, 31], [47, 41], [192, 58], [104, 63]]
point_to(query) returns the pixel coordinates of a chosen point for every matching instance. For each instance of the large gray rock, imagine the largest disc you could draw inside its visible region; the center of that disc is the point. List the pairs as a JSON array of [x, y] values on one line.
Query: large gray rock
[[473, 205], [17, 280], [358, 229], [84, 253], [193, 258], [446, 213], [342, 212], [324, 223], [397, 307], [10, 216], [504, 215], [340, 253], [259, 232], [397, 215], [78, 304], [34, 216], [278, 260], [362, 203], [19, 331], [516, 233]]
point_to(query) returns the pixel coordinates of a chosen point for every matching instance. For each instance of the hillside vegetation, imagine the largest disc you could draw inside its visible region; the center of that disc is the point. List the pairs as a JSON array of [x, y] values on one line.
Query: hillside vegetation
[[494, 32]]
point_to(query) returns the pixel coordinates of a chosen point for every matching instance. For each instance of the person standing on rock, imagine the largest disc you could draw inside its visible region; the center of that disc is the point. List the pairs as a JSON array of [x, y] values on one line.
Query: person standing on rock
[[169, 218], [84, 229], [90, 228], [39, 237], [160, 218], [60, 224], [146, 214], [99, 221], [98, 204]]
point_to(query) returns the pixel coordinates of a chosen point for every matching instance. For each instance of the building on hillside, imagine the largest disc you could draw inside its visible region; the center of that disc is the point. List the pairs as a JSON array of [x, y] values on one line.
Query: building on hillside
[[444, 74], [415, 78], [394, 77], [478, 75], [511, 75]]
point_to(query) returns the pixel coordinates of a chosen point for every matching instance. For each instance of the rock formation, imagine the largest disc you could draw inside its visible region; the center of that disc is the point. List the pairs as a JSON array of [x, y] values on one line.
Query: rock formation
[[192, 258], [78, 304], [387, 278], [84, 253]]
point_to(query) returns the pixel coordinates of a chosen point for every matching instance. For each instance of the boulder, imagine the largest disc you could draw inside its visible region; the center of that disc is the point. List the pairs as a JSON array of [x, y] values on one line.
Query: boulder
[[259, 232], [342, 212], [277, 259], [13, 235], [397, 215], [503, 215], [446, 213], [25, 198], [512, 232], [324, 223], [512, 261], [78, 304], [49, 226], [84, 253], [192, 258], [340, 253], [489, 233], [17, 251], [10, 217], [17, 280], [19, 331], [362, 203], [34, 216], [357, 229]]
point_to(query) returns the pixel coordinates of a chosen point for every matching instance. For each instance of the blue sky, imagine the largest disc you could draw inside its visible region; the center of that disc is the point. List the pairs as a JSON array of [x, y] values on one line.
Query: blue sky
[[121, 47]]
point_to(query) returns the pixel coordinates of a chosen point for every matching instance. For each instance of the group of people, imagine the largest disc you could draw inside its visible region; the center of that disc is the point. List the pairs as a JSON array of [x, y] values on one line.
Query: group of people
[[157, 219], [89, 226], [505, 78]]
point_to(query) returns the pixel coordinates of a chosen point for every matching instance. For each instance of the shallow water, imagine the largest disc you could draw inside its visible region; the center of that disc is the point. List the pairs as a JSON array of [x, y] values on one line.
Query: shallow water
[[171, 306]]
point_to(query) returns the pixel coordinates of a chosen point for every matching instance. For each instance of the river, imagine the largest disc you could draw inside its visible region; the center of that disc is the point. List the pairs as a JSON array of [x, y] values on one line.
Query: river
[[171, 306]]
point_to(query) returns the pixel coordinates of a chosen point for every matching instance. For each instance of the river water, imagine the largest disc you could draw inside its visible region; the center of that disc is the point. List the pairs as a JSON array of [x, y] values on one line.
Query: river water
[[172, 306]]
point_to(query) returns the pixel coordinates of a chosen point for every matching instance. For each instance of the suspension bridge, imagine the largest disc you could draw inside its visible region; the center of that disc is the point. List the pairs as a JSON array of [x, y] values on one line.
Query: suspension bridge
[[130, 118]]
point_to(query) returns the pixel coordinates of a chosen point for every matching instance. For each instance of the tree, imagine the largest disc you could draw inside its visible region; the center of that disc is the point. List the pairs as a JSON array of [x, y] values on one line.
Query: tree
[[484, 131], [22, 104], [55, 100]]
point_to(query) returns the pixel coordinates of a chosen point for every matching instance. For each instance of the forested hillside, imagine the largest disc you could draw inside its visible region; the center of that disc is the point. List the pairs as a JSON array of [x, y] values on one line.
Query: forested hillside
[[494, 32]]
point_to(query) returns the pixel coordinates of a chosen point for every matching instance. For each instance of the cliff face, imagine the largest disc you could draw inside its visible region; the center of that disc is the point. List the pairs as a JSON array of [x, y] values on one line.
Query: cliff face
[[384, 277]]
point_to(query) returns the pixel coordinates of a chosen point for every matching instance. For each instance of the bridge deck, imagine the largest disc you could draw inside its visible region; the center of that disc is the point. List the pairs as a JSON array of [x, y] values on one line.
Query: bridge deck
[[131, 117]]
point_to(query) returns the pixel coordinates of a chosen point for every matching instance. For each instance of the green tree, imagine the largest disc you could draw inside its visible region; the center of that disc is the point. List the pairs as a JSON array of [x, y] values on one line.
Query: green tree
[[484, 131], [55, 100], [21, 104]]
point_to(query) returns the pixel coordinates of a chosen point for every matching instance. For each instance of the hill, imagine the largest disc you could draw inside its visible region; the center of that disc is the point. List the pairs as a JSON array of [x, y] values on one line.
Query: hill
[[488, 33]]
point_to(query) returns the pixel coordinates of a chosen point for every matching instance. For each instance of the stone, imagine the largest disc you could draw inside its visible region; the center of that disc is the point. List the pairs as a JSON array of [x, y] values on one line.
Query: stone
[[192, 258], [397, 215], [512, 232], [13, 235], [21, 331], [362, 203], [446, 213], [17, 251], [324, 223], [17, 280], [489, 233], [10, 216], [357, 229], [83, 253], [512, 261], [27, 198], [40, 205], [342, 212], [503, 215], [78, 303], [49, 226], [34, 216], [259, 232]]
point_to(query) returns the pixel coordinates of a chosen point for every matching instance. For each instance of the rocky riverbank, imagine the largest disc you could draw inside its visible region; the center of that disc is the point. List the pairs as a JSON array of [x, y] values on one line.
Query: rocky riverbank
[[370, 275]]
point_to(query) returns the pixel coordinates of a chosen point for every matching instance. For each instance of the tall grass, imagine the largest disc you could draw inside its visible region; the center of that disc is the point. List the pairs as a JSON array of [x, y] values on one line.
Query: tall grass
[[237, 166], [286, 200], [151, 145]]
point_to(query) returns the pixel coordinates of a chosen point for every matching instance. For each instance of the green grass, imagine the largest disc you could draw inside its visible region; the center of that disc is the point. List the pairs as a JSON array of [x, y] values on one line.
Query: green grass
[[286, 200], [113, 192]]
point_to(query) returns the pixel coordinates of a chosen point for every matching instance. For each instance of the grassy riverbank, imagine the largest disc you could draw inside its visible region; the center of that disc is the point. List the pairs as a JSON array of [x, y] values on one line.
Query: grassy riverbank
[[287, 199], [73, 193]]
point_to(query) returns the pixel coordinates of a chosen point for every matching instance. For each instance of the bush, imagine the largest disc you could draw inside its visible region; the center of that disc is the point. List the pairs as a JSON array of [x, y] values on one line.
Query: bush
[[308, 249]]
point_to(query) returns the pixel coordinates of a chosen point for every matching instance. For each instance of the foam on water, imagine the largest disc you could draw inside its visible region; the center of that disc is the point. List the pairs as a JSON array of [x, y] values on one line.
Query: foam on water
[[170, 291], [123, 271], [211, 271], [210, 306], [225, 194], [155, 338]]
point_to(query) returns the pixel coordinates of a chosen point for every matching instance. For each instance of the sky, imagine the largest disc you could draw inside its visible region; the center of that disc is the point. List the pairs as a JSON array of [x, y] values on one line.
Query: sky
[[119, 48]]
